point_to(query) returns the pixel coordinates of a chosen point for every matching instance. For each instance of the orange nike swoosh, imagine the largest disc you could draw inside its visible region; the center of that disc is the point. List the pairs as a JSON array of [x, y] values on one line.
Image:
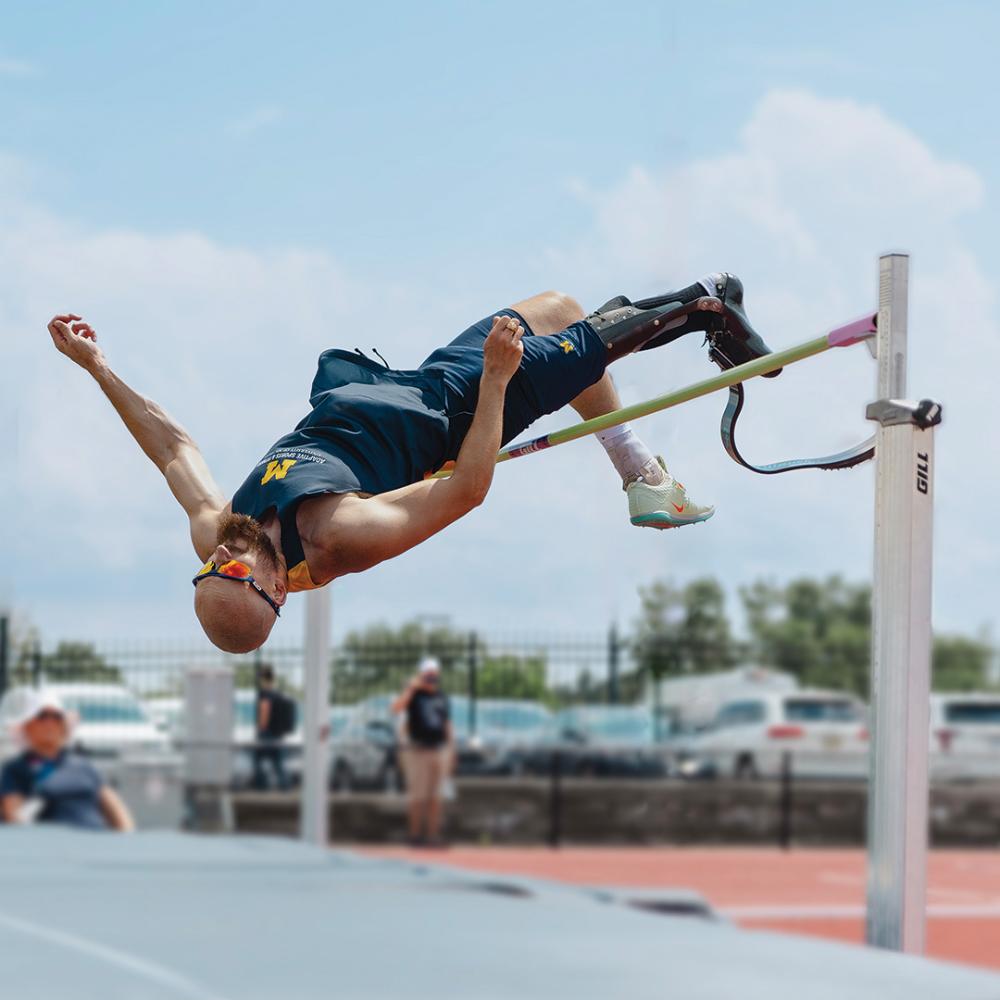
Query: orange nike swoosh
[[680, 510]]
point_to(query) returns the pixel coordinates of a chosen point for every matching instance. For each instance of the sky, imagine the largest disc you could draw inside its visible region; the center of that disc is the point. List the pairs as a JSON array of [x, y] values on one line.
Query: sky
[[225, 190]]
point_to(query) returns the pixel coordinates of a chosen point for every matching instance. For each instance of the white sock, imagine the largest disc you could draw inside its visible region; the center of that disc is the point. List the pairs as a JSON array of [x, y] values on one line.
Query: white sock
[[710, 281], [630, 456]]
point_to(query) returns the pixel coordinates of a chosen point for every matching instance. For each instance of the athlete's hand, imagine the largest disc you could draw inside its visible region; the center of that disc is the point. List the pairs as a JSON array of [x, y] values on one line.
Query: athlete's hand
[[503, 349], [76, 339]]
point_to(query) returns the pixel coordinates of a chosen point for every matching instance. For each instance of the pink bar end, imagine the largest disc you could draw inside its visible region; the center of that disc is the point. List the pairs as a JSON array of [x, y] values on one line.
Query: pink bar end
[[853, 332]]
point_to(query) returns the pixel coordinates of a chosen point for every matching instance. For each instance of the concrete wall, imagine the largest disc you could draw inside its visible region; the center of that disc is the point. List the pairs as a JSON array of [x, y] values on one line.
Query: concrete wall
[[520, 811]]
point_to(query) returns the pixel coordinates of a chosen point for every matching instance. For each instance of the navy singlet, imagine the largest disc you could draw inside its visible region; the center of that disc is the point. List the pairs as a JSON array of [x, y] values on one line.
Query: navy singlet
[[370, 430], [374, 429]]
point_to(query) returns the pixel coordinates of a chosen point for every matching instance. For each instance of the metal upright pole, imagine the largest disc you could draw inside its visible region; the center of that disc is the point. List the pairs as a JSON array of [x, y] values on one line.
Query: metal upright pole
[[258, 665], [473, 688], [901, 633], [36, 663], [316, 720], [4, 658], [613, 659]]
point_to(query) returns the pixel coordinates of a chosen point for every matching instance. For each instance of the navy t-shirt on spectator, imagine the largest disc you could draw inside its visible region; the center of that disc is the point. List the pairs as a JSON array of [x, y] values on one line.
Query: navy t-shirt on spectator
[[280, 706], [427, 718], [266, 694], [68, 785]]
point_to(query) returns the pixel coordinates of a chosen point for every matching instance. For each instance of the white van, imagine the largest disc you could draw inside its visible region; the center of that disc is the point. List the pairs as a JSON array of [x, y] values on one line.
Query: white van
[[688, 704], [965, 736], [826, 733]]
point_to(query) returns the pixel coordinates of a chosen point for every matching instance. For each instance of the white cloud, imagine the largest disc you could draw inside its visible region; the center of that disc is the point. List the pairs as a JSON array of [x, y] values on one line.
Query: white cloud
[[253, 121], [224, 338], [812, 190], [800, 205]]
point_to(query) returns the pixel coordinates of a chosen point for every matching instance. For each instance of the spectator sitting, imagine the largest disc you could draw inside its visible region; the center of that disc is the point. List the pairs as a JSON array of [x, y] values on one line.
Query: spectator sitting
[[428, 756], [48, 784]]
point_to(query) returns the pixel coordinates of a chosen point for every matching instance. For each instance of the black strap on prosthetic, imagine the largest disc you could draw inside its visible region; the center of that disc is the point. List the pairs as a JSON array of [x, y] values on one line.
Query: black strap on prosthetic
[[862, 452], [625, 327]]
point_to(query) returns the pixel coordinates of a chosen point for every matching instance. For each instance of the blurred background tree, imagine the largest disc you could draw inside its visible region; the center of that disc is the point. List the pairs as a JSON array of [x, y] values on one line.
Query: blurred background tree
[[69, 662], [683, 630], [817, 630], [510, 676], [383, 658], [820, 631], [961, 663]]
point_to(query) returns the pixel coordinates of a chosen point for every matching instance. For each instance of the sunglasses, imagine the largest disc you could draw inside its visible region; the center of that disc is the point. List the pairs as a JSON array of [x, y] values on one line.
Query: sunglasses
[[49, 715], [240, 572]]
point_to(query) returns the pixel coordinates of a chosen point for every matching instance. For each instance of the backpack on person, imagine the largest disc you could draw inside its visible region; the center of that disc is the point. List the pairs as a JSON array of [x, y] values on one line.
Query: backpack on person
[[284, 713]]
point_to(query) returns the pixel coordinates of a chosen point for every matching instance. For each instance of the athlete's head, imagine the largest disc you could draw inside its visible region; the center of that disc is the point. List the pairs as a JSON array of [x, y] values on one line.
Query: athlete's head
[[240, 589]]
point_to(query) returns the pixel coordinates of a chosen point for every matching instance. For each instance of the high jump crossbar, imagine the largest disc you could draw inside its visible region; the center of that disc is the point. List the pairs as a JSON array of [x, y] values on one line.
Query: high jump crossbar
[[843, 336]]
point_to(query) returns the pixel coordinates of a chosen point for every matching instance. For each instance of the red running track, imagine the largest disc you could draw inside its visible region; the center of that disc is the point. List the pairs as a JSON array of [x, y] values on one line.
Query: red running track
[[817, 892]]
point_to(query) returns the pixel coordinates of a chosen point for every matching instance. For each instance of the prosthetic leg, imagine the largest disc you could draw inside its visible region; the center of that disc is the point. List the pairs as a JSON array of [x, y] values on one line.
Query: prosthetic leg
[[714, 306], [627, 326]]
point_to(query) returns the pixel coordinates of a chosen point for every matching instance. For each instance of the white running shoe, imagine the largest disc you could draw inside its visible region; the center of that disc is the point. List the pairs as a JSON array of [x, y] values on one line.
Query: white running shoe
[[665, 505]]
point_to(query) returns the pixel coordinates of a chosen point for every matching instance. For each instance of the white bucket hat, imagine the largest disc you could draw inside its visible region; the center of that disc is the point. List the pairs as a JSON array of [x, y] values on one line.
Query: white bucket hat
[[29, 703], [429, 665]]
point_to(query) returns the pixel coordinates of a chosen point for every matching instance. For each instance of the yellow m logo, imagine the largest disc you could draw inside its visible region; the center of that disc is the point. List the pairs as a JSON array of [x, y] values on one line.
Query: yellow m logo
[[277, 470], [566, 346]]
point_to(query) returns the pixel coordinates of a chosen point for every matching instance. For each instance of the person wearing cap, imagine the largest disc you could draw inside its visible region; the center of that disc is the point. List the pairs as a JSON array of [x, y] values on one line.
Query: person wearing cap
[[429, 753], [47, 783]]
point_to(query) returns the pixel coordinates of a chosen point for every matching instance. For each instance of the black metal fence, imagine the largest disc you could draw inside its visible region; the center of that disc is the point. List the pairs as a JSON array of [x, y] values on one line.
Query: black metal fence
[[556, 671], [533, 760]]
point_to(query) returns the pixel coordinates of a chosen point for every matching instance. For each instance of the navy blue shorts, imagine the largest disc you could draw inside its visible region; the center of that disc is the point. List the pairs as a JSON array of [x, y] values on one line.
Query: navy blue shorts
[[554, 370]]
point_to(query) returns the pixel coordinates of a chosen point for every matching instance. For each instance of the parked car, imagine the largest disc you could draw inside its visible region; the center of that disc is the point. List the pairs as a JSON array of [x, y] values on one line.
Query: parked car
[[825, 732], [496, 736], [111, 720], [965, 736], [339, 717], [364, 754], [493, 736], [602, 741]]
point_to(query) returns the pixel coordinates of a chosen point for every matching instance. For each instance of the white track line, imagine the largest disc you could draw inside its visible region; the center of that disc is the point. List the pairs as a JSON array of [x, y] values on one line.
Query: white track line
[[968, 895], [841, 878], [150, 971], [941, 911], [942, 894]]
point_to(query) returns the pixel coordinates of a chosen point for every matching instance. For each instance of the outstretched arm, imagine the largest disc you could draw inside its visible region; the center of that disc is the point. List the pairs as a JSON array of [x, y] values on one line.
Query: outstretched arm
[[370, 531], [402, 702], [167, 445]]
